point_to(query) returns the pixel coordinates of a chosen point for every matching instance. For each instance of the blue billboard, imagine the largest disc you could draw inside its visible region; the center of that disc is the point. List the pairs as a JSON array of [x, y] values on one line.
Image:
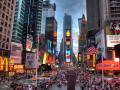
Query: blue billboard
[[49, 46]]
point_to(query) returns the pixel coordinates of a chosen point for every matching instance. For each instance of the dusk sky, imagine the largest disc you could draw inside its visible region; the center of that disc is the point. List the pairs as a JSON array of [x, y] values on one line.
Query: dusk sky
[[75, 8]]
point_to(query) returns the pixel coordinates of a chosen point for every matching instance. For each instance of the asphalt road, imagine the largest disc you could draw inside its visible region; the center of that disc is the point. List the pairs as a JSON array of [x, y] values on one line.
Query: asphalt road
[[64, 87]]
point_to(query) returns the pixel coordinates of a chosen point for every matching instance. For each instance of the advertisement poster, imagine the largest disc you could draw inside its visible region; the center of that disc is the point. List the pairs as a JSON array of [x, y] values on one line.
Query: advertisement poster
[[29, 43], [16, 52], [30, 60]]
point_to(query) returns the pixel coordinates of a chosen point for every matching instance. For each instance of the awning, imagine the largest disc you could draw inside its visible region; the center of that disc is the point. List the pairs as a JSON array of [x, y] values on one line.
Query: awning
[[108, 65]]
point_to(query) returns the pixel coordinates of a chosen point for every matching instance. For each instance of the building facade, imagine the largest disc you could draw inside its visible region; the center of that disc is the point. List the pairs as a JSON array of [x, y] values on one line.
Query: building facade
[[82, 37], [7, 10], [32, 22], [32, 27], [51, 37], [67, 38], [18, 21], [108, 13]]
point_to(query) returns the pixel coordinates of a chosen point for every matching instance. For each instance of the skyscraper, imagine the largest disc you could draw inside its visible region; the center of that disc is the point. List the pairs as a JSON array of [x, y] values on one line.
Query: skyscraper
[[51, 37], [82, 37], [67, 38], [32, 22], [18, 21], [7, 9], [93, 18], [48, 10], [32, 26]]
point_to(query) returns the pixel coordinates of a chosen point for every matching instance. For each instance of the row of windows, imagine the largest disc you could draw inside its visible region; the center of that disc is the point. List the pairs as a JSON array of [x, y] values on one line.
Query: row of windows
[[3, 7], [115, 15], [5, 1], [4, 45], [5, 24], [5, 31], [4, 38], [115, 11]]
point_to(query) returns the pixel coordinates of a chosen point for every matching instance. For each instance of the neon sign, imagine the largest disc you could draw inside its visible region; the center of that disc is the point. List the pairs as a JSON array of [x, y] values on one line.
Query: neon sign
[[4, 63]]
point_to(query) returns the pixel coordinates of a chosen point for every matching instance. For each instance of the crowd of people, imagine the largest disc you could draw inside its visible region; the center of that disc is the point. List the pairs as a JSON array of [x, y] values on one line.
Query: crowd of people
[[89, 81]]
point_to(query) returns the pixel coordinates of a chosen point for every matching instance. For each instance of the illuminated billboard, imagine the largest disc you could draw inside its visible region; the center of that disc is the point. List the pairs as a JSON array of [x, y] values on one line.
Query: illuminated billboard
[[16, 52], [67, 55], [49, 46], [29, 43], [113, 40], [115, 26], [30, 60]]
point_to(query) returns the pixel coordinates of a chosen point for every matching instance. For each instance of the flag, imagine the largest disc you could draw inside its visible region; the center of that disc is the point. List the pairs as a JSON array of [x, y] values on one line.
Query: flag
[[91, 50]]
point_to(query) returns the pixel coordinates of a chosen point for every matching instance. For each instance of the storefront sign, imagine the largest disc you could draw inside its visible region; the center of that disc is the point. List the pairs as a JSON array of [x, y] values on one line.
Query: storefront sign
[[113, 40], [108, 65]]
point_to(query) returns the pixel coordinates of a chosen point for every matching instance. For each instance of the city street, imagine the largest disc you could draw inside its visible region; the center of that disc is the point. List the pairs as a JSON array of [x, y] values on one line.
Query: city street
[[59, 44], [64, 87]]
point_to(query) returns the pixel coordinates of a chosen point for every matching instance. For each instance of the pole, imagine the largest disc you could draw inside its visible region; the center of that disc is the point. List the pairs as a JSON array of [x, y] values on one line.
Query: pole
[[102, 73], [37, 57]]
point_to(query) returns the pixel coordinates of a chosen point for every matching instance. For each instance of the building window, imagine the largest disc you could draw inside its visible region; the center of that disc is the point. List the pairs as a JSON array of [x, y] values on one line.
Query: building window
[[3, 45], [5, 31], [7, 11], [4, 38], [11, 7], [8, 4], [6, 17], [3, 15], [12, 1], [9, 26], [8, 33], [2, 22], [0, 37], [0, 5], [4, 8], [1, 28], [6, 46], [7, 39], [5, 24], [10, 19]]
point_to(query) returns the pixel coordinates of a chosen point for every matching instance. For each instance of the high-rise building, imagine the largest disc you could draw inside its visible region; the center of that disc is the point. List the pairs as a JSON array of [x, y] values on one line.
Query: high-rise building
[[67, 38], [16, 44], [51, 36], [82, 35], [48, 10], [114, 9], [18, 21], [7, 10], [32, 27], [93, 20], [110, 22], [32, 23]]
